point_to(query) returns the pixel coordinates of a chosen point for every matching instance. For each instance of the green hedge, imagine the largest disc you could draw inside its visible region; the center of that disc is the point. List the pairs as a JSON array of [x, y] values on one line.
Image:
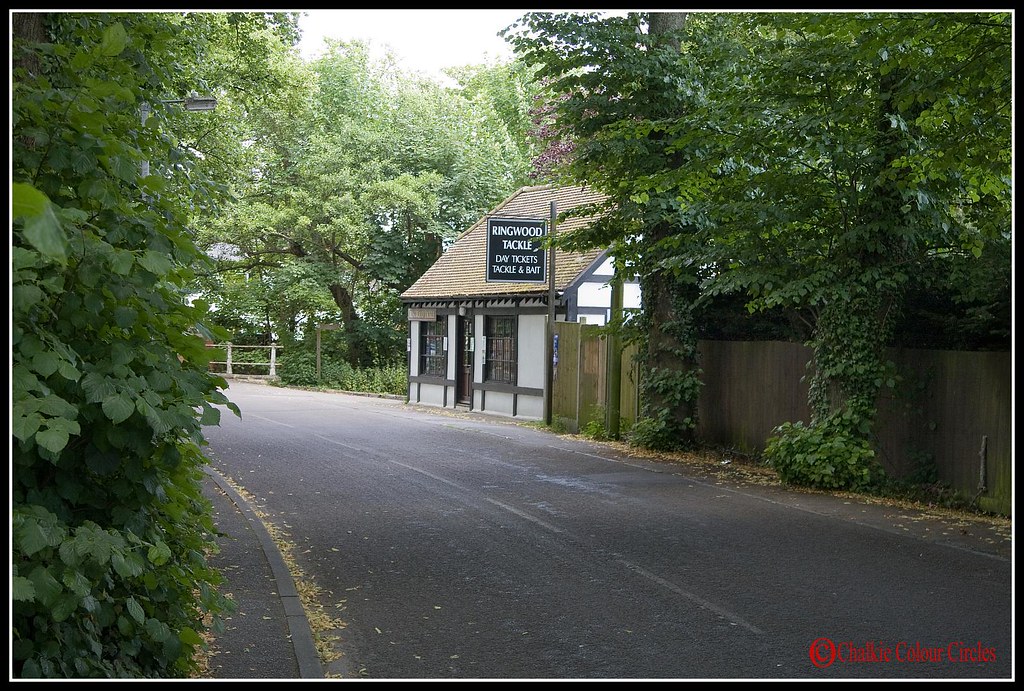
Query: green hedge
[[298, 368]]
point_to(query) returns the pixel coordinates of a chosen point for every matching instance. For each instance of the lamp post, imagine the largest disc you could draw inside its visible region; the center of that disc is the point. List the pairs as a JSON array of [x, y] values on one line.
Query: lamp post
[[193, 102]]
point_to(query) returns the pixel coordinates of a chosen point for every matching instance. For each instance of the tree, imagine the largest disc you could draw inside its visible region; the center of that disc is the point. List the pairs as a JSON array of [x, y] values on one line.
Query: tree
[[110, 387], [812, 162], [613, 90], [505, 95], [356, 186], [841, 157]]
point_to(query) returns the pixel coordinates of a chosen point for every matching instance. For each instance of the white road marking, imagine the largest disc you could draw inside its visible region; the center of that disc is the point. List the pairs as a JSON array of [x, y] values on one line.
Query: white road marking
[[691, 597]]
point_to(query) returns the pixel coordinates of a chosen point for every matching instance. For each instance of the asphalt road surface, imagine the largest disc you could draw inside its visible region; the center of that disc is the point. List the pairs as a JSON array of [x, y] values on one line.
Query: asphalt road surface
[[467, 547]]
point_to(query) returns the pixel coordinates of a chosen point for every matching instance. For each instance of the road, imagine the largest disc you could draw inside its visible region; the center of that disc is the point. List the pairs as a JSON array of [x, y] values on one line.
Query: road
[[459, 547]]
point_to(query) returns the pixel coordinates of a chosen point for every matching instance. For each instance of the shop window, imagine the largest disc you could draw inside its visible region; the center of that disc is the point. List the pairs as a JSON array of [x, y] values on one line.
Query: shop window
[[433, 358], [501, 350]]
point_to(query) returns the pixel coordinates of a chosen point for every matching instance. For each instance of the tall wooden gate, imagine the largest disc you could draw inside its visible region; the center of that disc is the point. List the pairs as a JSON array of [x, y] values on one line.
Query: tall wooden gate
[[580, 382]]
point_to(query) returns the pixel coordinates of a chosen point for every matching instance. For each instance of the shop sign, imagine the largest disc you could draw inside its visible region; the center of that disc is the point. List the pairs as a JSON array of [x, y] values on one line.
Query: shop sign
[[515, 250]]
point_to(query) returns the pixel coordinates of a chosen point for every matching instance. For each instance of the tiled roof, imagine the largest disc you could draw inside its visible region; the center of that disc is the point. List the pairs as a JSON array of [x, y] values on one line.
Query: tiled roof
[[461, 270]]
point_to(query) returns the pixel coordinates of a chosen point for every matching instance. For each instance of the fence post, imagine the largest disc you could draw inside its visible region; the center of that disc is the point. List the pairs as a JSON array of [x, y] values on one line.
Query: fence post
[[229, 360], [273, 359]]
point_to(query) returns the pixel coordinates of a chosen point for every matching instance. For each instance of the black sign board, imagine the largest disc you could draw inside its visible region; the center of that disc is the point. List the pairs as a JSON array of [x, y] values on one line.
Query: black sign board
[[515, 250]]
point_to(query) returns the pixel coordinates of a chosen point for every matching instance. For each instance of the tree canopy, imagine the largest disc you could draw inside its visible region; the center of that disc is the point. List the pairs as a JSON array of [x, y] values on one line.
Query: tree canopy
[[820, 163], [355, 180]]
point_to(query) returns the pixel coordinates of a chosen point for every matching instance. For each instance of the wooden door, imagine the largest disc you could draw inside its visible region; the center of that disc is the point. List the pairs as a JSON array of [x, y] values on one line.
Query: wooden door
[[464, 362]]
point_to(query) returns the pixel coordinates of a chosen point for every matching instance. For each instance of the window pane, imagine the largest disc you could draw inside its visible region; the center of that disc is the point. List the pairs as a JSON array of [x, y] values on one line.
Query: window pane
[[433, 359], [501, 350]]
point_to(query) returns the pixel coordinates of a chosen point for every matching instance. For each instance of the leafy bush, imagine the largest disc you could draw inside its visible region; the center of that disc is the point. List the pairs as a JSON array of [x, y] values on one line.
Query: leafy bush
[[382, 380], [109, 385], [595, 428], [655, 432], [559, 425], [298, 368], [824, 456]]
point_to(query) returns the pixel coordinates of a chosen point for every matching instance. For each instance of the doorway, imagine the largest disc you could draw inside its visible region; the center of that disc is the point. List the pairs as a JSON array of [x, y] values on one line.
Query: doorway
[[464, 362]]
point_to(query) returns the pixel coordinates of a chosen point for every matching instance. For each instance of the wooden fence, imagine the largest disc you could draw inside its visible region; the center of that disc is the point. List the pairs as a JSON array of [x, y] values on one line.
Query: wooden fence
[[580, 378], [952, 412]]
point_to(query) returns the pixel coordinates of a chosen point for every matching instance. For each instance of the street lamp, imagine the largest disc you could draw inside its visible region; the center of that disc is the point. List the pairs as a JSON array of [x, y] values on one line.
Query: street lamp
[[193, 102]]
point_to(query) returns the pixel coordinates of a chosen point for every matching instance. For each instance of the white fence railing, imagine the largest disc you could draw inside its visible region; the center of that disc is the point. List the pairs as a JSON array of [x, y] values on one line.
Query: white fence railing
[[229, 363]]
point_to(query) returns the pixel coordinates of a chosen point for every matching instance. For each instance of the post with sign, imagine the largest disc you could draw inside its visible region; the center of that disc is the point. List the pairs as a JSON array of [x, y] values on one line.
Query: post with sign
[[552, 351], [614, 379], [319, 328]]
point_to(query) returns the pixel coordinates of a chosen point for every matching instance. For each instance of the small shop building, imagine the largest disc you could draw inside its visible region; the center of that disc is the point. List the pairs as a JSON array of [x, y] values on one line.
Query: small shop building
[[478, 316]]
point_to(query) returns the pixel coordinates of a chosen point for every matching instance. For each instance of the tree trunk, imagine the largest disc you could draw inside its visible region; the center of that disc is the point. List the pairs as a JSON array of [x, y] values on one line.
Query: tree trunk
[[671, 378], [661, 23], [853, 329], [350, 318], [28, 27], [671, 383]]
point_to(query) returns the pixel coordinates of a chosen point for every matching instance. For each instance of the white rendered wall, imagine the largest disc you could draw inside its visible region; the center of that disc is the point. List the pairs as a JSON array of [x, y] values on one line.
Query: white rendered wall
[[453, 345], [631, 296], [414, 348], [530, 351], [594, 294], [478, 348]]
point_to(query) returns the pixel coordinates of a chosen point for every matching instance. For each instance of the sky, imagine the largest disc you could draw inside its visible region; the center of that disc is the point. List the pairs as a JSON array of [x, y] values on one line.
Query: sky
[[425, 41]]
